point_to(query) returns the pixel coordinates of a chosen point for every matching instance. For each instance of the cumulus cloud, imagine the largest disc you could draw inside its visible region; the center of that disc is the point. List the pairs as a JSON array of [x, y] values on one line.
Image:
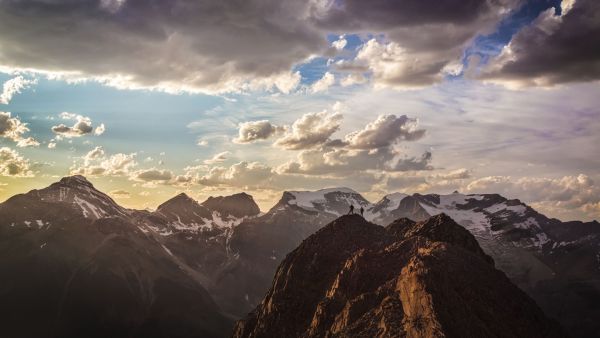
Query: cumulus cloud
[[97, 163], [207, 46], [28, 142], [323, 83], [252, 131], [100, 129], [14, 86], [13, 164], [554, 49], [392, 66], [13, 129], [311, 130], [240, 175], [94, 154], [152, 175], [340, 43], [83, 126], [375, 147], [384, 131], [218, 158]]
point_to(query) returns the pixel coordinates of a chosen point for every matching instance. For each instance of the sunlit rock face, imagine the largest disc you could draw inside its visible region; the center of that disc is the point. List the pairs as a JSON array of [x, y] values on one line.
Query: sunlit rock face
[[426, 279]]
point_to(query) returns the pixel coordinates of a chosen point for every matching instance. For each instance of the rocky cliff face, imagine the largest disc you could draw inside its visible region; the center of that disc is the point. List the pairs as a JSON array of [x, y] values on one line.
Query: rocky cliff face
[[428, 279]]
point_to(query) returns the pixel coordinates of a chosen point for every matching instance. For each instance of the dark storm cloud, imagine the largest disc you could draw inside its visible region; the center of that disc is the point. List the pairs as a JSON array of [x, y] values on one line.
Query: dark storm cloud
[[554, 49], [387, 14], [232, 45], [208, 45]]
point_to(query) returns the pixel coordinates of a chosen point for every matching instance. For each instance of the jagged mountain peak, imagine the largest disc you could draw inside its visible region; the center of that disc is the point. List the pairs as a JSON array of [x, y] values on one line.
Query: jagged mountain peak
[[73, 192], [444, 229], [179, 199], [75, 181], [376, 285]]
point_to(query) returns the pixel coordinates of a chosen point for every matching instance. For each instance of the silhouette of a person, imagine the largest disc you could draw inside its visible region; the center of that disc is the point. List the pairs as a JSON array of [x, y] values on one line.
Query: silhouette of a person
[[362, 211], [351, 210]]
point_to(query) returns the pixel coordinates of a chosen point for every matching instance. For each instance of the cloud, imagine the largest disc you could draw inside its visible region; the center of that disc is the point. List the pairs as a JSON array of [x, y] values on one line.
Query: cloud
[[218, 158], [83, 126], [554, 195], [310, 130], [28, 142], [94, 154], [14, 86], [353, 79], [241, 174], [152, 174], [199, 46], [13, 164], [121, 193], [554, 49], [100, 129], [416, 40], [252, 131], [97, 163], [13, 129], [219, 47], [375, 147], [340, 43], [457, 174], [323, 83], [385, 131]]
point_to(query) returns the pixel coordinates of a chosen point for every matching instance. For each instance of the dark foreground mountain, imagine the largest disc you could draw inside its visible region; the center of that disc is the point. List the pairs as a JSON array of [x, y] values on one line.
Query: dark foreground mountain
[[557, 263], [75, 264], [429, 279]]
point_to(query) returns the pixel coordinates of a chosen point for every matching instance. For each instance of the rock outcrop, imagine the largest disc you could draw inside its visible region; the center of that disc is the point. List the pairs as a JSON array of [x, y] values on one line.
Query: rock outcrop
[[428, 279]]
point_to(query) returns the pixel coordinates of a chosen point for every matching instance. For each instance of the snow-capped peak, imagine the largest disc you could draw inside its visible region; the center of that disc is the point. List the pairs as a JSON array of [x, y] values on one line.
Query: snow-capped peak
[[395, 199], [336, 201]]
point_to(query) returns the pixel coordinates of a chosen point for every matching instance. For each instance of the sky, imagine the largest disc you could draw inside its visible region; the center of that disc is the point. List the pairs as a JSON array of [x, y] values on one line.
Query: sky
[[150, 98]]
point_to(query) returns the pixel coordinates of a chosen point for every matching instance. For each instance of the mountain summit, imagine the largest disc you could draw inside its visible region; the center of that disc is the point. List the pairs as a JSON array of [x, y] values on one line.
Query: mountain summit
[[236, 205], [428, 279]]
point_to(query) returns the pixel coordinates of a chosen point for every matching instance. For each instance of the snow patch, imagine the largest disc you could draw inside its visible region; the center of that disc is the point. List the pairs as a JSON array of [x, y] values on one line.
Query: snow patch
[[88, 208], [167, 250]]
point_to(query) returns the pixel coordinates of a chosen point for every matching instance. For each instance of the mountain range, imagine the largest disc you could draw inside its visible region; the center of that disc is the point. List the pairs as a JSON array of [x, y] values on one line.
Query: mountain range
[[81, 265]]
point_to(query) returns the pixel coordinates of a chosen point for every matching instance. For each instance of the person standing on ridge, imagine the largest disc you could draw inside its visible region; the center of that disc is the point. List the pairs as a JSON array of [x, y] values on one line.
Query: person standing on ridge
[[362, 211], [351, 212]]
